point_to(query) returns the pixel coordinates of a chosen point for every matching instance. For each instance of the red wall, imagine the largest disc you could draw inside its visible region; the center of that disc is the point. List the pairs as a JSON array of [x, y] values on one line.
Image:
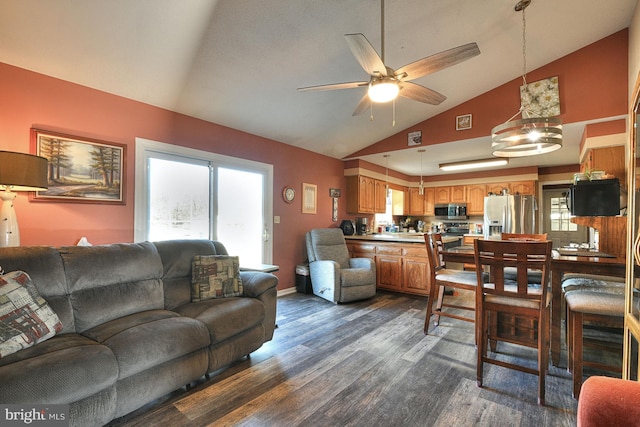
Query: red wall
[[34, 100], [592, 83]]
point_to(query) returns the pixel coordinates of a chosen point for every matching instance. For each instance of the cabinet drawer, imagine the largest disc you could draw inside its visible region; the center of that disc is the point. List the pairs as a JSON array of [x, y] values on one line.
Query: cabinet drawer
[[415, 251], [389, 250], [363, 248]]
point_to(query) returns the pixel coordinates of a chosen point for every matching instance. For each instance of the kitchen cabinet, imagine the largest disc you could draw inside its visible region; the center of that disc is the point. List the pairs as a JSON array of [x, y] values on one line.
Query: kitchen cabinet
[[450, 194], [442, 194], [475, 199], [400, 267], [458, 194], [416, 202], [429, 201], [522, 187], [421, 204], [365, 195], [380, 197], [608, 159], [389, 267]]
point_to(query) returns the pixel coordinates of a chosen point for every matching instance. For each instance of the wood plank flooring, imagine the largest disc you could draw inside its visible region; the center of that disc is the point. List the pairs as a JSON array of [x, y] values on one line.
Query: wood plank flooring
[[365, 364]]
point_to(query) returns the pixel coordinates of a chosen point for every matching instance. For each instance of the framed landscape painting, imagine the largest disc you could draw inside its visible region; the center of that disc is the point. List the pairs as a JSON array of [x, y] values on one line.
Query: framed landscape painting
[[80, 169]]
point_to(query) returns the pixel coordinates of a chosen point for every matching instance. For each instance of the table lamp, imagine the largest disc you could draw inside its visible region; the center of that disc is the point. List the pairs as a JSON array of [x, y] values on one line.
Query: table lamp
[[18, 172]]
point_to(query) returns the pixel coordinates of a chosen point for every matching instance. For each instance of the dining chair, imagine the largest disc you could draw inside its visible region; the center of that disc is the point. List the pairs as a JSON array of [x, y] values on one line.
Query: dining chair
[[440, 277], [514, 298]]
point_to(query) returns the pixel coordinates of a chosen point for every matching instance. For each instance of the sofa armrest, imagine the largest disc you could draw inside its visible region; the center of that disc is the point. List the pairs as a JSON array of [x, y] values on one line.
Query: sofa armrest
[[608, 401], [255, 283], [263, 286]]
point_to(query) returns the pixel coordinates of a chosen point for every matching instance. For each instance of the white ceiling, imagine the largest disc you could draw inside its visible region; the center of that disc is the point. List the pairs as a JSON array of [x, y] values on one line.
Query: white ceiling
[[238, 62]]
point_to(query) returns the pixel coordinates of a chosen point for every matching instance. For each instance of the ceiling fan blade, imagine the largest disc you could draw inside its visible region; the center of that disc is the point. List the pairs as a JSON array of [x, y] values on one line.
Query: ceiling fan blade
[[366, 54], [333, 86], [438, 61], [364, 103], [421, 93]]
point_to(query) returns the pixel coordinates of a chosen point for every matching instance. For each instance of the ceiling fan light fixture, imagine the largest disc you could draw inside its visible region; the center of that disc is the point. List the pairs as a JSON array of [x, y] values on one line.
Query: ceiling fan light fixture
[[383, 90], [473, 164]]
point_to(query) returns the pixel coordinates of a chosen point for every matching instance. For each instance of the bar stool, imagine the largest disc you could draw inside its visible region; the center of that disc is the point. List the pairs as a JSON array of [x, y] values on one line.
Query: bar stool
[[600, 308]]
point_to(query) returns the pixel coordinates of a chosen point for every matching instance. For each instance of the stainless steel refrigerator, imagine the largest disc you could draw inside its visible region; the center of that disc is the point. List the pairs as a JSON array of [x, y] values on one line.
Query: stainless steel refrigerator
[[512, 213]]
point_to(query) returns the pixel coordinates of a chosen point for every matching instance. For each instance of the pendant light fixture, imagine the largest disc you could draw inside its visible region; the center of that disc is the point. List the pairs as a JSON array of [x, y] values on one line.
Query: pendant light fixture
[[386, 179], [421, 186], [529, 135]]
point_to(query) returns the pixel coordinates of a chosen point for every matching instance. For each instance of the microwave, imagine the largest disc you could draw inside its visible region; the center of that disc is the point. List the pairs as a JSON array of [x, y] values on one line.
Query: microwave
[[595, 198], [450, 211]]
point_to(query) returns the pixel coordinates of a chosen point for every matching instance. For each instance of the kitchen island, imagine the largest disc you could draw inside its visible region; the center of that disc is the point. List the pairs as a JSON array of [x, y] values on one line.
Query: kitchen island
[[400, 258]]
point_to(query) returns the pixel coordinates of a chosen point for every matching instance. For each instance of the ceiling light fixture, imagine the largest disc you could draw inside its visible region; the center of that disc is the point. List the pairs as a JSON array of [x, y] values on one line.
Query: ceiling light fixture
[[529, 135], [421, 186], [473, 164], [383, 90]]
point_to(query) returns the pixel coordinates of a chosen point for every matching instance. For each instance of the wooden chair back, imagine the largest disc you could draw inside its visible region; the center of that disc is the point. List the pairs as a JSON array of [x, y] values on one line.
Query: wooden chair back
[[525, 237], [523, 255]]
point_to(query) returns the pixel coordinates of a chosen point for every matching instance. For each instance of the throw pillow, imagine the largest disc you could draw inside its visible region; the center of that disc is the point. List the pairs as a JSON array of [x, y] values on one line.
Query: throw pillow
[[25, 317], [215, 276]]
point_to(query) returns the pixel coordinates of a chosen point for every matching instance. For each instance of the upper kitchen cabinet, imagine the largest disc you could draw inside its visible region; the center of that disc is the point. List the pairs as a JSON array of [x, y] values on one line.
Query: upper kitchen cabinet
[[442, 194], [365, 195], [416, 202], [458, 194], [380, 196], [521, 187], [611, 160], [421, 204], [475, 199]]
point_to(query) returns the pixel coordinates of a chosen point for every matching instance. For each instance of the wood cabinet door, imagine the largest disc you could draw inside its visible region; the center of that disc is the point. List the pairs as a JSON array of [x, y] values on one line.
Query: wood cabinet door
[[523, 187], [389, 272], [366, 194], [429, 201], [416, 276], [475, 199], [442, 194], [416, 202], [380, 197], [497, 187], [458, 194]]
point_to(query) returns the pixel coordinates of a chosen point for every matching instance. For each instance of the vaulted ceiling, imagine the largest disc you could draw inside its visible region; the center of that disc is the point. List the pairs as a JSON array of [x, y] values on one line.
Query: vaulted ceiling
[[238, 62]]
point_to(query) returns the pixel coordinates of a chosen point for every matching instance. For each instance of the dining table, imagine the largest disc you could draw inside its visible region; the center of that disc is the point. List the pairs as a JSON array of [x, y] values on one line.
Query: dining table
[[562, 262]]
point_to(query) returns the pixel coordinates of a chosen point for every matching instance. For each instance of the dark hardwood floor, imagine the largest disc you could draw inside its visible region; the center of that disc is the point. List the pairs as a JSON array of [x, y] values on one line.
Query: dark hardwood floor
[[365, 364]]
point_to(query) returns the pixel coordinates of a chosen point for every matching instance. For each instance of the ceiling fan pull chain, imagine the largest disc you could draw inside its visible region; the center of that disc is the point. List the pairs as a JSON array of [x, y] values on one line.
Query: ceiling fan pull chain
[[371, 109], [393, 122]]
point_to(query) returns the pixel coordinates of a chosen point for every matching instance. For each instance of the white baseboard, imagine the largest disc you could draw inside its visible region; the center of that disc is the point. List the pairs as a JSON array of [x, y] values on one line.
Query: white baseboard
[[287, 291]]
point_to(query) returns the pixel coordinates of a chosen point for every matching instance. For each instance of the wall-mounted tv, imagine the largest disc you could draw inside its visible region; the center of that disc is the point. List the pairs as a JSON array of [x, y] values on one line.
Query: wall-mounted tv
[[595, 198]]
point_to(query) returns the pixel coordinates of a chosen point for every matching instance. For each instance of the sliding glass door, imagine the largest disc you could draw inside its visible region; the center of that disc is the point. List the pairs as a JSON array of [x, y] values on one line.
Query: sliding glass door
[[190, 194]]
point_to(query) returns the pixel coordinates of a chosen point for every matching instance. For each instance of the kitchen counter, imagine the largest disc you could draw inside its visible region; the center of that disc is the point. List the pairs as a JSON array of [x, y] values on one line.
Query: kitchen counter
[[404, 238]]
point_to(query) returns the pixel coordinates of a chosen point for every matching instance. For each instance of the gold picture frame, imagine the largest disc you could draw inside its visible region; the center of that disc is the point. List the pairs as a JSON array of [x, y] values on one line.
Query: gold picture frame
[[81, 170], [309, 198]]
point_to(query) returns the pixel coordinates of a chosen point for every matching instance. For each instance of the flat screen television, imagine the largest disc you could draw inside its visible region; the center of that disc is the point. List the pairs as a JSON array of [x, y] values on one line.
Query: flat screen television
[[595, 198]]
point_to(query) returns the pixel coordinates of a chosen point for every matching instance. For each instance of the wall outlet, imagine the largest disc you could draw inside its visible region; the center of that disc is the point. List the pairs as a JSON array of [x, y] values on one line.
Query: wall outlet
[[276, 219]]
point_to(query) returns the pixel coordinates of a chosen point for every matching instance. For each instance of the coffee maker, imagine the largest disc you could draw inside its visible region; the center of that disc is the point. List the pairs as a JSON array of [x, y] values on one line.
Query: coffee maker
[[361, 225]]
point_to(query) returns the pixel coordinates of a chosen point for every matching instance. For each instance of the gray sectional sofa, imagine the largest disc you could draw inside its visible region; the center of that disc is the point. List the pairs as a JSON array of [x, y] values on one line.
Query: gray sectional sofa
[[130, 331]]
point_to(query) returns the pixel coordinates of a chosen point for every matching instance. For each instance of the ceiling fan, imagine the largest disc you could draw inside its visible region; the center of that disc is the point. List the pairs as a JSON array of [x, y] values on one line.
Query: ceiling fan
[[385, 83]]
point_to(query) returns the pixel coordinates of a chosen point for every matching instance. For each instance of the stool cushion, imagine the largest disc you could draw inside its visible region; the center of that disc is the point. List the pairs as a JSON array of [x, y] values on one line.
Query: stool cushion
[[457, 276], [590, 302], [592, 284]]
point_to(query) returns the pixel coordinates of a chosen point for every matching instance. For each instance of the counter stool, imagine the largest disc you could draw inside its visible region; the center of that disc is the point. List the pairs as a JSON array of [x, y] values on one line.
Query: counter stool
[[440, 276], [593, 307]]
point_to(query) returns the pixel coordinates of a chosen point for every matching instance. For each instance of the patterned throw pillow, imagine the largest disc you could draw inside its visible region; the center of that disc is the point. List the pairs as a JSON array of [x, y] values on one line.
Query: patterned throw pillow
[[215, 276], [25, 317]]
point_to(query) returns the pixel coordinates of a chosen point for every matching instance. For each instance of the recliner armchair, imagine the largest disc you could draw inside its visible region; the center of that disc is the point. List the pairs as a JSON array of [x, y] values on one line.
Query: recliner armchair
[[335, 276]]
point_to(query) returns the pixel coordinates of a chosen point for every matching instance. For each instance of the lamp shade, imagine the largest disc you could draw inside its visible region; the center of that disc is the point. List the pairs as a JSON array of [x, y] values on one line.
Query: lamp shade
[[23, 172]]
